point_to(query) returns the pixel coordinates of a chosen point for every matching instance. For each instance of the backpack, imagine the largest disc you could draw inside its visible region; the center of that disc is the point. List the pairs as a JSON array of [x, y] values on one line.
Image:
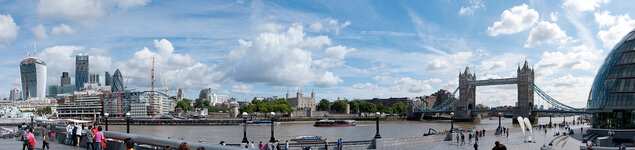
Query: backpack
[[31, 142], [24, 136]]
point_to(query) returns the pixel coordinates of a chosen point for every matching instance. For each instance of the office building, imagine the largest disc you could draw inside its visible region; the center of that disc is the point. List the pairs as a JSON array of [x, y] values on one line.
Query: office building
[[33, 78], [65, 79], [53, 90], [117, 82], [93, 79], [81, 71], [108, 79], [14, 95], [179, 94], [86, 107]]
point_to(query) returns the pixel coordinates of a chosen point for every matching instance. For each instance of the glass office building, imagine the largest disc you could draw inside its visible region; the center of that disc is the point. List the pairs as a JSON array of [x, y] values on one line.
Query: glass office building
[[612, 96]]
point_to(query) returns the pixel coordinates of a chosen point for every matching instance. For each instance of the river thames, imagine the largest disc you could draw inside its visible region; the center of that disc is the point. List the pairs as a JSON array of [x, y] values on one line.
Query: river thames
[[365, 130]]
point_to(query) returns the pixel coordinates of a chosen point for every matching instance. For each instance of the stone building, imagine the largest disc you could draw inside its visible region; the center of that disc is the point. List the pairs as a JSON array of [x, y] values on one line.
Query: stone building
[[301, 102]]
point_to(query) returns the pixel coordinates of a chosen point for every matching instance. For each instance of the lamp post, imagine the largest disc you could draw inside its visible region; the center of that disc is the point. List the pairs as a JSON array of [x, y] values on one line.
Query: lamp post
[[272, 115], [499, 119], [377, 136], [106, 120], [245, 127], [564, 119], [451, 121], [32, 115], [550, 115], [128, 122]]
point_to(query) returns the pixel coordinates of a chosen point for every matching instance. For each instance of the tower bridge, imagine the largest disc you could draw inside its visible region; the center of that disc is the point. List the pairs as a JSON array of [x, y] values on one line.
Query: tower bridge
[[465, 102]]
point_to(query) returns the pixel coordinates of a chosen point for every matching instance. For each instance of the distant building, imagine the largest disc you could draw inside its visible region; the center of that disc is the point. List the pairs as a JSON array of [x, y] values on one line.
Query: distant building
[[53, 90], [108, 79], [389, 101], [301, 102], [14, 94], [33, 77], [67, 89], [138, 104], [94, 79], [179, 94], [81, 71], [117, 82], [206, 94], [65, 79], [87, 107]]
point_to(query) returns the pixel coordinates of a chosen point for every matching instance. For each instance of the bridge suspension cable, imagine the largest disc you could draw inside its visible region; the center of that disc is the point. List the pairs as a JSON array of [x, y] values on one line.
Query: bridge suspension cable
[[551, 100], [451, 100]]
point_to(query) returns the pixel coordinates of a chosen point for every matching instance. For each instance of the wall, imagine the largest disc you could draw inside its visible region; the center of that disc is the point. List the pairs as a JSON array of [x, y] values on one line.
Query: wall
[[390, 143]]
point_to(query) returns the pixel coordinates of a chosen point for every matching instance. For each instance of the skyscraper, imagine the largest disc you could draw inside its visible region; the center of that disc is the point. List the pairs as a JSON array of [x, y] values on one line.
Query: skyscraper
[[81, 71], [94, 79], [14, 95], [117, 82], [33, 77], [65, 79], [108, 79]]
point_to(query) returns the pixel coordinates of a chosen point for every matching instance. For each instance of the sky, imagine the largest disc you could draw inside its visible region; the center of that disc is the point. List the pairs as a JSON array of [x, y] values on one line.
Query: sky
[[338, 49]]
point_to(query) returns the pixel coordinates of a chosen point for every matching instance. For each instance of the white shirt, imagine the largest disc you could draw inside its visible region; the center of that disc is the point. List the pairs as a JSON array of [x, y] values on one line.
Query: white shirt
[[69, 128], [79, 130]]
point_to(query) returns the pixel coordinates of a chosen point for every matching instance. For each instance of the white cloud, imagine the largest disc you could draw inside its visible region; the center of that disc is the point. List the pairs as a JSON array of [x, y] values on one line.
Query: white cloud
[[366, 85], [59, 59], [577, 58], [62, 29], [242, 88], [553, 16], [546, 32], [388, 33], [514, 20], [605, 19], [584, 5], [443, 63], [611, 33], [8, 29], [469, 10], [329, 25], [85, 12], [39, 31], [409, 84], [289, 60]]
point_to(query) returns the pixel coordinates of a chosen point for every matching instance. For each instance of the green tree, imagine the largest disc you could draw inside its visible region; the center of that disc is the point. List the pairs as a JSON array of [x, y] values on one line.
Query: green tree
[[201, 103], [184, 105], [339, 106], [45, 110], [324, 105], [385, 109], [366, 107], [400, 107], [264, 106], [354, 106]]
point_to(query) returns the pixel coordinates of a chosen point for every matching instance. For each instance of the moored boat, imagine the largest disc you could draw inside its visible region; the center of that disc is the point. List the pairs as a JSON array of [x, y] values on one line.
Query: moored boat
[[334, 123], [258, 122], [307, 139]]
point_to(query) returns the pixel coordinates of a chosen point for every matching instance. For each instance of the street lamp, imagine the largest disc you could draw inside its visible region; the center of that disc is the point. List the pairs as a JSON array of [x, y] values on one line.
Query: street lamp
[[499, 120], [106, 120], [272, 115], [564, 119], [377, 136], [451, 121], [244, 115], [32, 115], [550, 115], [128, 122]]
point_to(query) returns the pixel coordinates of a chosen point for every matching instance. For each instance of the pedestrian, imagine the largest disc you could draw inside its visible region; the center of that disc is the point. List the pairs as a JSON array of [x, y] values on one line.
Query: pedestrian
[[24, 136], [31, 140], [251, 146], [260, 146], [53, 135], [78, 134], [45, 138], [475, 138], [286, 145], [130, 145], [340, 143], [622, 147], [469, 140], [326, 144], [483, 132], [100, 140], [499, 146], [580, 130], [458, 139], [462, 138], [475, 145], [89, 139], [507, 133]]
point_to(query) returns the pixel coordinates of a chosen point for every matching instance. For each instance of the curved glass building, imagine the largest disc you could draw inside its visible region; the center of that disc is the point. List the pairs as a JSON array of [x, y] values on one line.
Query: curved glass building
[[612, 96]]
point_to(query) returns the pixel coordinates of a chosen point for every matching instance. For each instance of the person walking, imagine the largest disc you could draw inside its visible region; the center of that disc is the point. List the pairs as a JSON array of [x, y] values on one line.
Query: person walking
[[458, 139], [45, 138], [24, 134], [507, 133], [89, 138], [483, 132], [286, 145], [499, 146], [252, 146], [475, 138], [326, 144], [469, 140], [100, 140], [462, 138], [340, 143], [475, 145], [31, 140], [260, 146]]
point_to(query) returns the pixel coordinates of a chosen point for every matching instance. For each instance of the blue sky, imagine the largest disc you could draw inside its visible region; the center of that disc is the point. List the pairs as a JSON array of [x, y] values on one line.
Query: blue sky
[[345, 49]]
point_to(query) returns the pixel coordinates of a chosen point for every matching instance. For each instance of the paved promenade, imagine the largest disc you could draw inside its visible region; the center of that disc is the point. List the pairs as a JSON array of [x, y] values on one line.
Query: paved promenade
[[14, 144]]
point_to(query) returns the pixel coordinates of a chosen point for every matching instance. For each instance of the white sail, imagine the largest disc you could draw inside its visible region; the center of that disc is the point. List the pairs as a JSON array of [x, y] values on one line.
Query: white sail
[[522, 124], [530, 136]]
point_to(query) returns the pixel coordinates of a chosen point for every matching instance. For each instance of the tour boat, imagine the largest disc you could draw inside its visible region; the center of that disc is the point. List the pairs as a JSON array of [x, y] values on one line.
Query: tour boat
[[334, 123], [307, 139], [258, 122]]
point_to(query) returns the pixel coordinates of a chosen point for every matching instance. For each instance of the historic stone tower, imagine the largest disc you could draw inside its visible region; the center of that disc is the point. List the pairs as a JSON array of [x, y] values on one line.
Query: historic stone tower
[[525, 76], [467, 96]]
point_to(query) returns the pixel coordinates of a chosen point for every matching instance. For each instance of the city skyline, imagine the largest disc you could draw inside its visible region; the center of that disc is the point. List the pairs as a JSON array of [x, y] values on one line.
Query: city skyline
[[260, 48]]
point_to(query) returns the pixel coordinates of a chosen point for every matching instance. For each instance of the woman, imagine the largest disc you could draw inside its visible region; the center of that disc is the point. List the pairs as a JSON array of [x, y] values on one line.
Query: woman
[[99, 139]]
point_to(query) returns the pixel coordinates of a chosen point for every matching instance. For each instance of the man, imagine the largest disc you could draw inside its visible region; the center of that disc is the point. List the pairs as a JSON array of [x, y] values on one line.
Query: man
[[45, 138], [340, 143], [475, 145], [24, 136], [469, 140], [286, 145], [499, 146], [326, 144], [507, 132], [89, 138]]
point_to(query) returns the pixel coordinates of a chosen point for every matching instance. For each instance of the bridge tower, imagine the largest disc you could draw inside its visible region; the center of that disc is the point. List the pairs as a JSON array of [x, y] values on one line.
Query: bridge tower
[[467, 96], [525, 94]]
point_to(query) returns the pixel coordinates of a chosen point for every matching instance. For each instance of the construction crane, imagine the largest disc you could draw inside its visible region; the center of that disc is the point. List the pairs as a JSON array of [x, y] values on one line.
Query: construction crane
[[152, 91]]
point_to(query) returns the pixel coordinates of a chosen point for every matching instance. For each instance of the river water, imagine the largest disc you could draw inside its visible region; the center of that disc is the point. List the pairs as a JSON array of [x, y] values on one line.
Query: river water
[[365, 130]]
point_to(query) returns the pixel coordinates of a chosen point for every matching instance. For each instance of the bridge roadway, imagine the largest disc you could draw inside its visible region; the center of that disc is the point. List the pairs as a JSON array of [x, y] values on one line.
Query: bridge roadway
[[476, 112]]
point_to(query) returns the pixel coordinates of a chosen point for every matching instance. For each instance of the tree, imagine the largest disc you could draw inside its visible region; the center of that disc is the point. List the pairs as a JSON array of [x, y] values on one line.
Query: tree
[[264, 106], [45, 110], [367, 107], [385, 109], [184, 105], [400, 107], [339, 106], [354, 106], [201, 103], [324, 105]]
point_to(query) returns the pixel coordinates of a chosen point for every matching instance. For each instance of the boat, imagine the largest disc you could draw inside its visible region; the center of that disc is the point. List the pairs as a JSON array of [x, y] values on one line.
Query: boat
[[308, 139], [334, 123], [258, 122]]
